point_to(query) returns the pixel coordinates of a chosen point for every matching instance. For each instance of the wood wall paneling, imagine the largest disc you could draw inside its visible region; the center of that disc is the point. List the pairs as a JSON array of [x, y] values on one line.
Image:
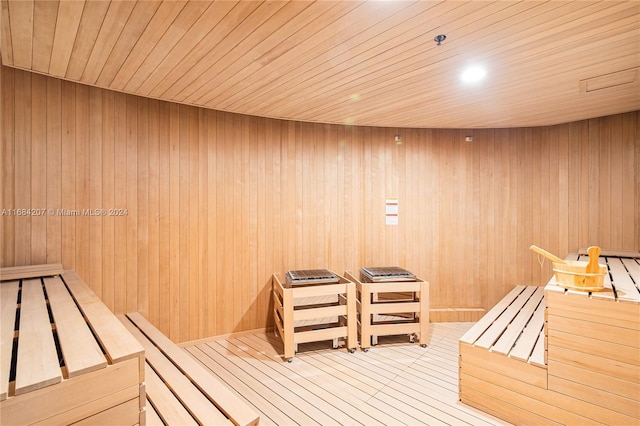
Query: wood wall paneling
[[211, 203]]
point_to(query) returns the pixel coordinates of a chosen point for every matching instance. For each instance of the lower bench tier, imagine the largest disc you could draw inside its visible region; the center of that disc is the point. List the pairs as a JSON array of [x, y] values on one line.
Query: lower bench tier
[[590, 372]]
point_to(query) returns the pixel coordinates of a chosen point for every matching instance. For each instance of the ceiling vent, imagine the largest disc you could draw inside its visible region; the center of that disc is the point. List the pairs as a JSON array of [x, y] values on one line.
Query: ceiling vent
[[607, 81]]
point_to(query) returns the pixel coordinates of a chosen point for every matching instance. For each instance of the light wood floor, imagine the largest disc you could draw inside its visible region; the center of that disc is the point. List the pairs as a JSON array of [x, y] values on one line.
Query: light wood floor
[[394, 383]]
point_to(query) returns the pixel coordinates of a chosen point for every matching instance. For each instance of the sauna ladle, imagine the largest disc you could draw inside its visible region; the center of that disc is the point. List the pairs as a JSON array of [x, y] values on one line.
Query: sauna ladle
[[546, 254]]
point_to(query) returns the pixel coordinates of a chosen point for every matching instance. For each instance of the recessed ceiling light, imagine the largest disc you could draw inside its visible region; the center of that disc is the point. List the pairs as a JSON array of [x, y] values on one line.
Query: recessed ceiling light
[[473, 74]]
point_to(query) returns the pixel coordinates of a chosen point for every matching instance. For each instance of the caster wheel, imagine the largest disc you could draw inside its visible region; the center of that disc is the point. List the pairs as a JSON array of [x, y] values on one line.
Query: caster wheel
[[290, 360], [365, 350], [423, 345], [353, 351]]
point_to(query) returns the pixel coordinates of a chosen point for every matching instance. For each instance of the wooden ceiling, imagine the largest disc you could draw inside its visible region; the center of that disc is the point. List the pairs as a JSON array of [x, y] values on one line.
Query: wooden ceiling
[[362, 63]]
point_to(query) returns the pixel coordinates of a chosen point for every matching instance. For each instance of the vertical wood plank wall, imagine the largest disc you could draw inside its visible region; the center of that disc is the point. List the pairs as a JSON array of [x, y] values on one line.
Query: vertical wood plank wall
[[217, 202]]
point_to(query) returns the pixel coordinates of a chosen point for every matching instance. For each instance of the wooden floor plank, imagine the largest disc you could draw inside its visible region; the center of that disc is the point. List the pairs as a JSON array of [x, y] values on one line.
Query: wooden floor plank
[[314, 394], [343, 392], [230, 363], [277, 382], [394, 383]]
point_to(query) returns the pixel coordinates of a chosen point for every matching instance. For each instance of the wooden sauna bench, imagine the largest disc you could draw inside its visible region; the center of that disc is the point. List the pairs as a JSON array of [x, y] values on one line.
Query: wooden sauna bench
[[584, 367], [65, 358], [179, 390]]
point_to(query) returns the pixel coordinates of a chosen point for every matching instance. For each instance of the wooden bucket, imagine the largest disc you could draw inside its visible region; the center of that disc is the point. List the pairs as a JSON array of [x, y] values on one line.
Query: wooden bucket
[[573, 275]]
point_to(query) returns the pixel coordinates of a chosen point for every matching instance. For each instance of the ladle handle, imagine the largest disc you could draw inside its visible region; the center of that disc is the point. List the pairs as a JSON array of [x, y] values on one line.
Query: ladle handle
[[546, 254], [594, 253]]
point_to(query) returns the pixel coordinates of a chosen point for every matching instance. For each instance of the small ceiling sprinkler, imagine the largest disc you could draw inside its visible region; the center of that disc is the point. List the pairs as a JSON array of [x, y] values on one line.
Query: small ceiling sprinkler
[[439, 39]]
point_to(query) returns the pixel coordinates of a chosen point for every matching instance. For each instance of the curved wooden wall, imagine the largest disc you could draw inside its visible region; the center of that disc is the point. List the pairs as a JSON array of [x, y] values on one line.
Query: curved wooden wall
[[217, 202]]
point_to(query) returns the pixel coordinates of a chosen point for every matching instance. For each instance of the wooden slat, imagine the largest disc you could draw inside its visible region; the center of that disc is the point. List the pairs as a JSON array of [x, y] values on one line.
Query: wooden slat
[[69, 14], [8, 305], [117, 342], [140, 17], [235, 409], [100, 405], [152, 418], [92, 16], [538, 356], [5, 27], [44, 17], [525, 345], [625, 289], [197, 404], [80, 350], [30, 271], [125, 413], [497, 328], [485, 322], [515, 328], [112, 26], [633, 267], [21, 24], [37, 365], [167, 405]]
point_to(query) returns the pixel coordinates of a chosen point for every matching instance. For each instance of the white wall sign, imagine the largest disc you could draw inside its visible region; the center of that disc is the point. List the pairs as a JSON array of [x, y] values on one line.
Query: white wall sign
[[391, 211]]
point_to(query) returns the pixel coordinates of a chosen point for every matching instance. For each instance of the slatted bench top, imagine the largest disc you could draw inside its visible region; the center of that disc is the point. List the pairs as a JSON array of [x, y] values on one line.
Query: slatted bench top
[[622, 283], [65, 358], [179, 390], [60, 327], [514, 327]]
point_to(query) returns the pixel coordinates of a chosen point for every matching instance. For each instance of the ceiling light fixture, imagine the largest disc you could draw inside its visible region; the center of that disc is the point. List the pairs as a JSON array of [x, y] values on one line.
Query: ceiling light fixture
[[473, 74]]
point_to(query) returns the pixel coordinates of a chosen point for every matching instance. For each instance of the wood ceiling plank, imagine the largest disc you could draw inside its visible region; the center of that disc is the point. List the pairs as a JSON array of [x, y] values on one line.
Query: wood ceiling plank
[[67, 24], [287, 38], [44, 19], [140, 17], [21, 23], [392, 79], [193, 71], [304, 60], [373, 54], [163, 18], [265, 24], [5, 35], [232, 36], [505, 93], [353, 21], [196, 45], [379, 69], [384, 82], [112, 26], [518, 98], [345, 50], [90, 24], [179, 27], [221, 81]]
